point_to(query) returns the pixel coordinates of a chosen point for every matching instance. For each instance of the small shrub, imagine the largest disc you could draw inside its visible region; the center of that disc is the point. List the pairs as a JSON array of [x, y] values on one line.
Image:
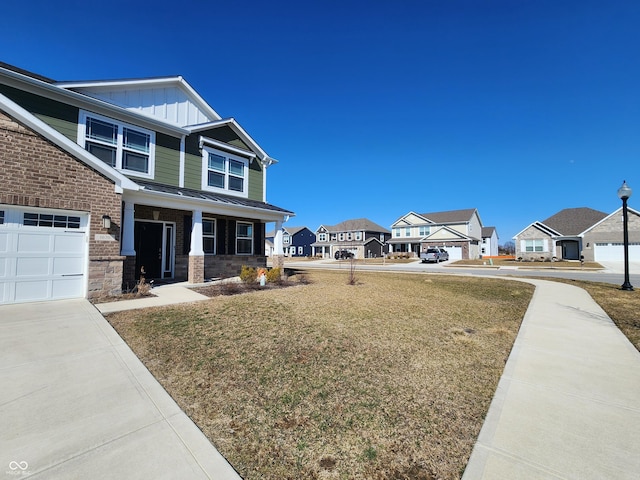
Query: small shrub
[[248, 274], [274, 275]]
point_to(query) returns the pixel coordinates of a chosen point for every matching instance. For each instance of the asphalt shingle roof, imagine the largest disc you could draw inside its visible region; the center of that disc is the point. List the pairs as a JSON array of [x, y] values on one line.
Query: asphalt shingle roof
[[451, 216], [573, 221]]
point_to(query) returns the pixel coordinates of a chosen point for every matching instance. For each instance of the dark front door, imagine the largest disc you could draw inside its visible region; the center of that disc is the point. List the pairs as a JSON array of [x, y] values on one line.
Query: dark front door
[[148, 245]]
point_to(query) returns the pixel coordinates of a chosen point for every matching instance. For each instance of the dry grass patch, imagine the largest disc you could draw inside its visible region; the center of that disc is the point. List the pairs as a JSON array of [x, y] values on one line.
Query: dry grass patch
[[623, 307], [387, 379]]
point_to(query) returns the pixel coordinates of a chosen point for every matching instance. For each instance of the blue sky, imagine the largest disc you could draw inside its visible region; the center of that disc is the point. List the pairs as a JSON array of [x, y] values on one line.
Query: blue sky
[[517, 108]]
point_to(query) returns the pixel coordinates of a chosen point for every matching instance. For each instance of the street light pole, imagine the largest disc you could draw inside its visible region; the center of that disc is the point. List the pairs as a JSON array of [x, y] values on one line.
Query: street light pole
[[624, 192]]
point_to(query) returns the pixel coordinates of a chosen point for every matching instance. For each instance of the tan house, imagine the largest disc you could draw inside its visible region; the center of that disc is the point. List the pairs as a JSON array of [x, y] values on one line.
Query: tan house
[[579, 233], [459, 232]]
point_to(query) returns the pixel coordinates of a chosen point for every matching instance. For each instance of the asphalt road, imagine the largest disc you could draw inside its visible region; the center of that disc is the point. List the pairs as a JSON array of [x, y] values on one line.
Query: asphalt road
[[613, 272]]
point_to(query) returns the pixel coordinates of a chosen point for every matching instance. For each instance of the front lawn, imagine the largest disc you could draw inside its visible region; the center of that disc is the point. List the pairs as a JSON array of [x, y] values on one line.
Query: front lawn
[[390, 378]]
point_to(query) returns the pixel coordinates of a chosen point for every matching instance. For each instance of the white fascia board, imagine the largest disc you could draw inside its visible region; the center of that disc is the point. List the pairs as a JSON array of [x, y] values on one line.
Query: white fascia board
[[244, 136], [178, 81], [34, 123], [226, 147], [168, 200], [54, 92], [540, 226]]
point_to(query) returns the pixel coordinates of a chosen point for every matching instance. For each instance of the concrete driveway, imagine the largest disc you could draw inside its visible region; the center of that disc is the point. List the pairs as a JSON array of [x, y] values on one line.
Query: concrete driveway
[[77, 403]]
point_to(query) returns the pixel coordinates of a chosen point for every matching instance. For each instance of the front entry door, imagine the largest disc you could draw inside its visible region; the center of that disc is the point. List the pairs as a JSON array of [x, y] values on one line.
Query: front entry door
[[148, 245]]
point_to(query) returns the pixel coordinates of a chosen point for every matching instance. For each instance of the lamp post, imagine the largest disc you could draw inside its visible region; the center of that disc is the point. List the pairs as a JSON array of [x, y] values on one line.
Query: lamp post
[[624, 192]]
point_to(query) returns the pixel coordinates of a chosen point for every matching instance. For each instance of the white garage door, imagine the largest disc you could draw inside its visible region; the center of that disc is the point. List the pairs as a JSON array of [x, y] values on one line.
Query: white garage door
[[455, 253], [614, 252], [42, 255]]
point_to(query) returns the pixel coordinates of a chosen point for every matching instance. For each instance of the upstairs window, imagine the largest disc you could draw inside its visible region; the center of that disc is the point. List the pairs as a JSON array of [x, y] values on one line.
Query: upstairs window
[[119, 145], [322, 237], [224, 173], [424, 231]]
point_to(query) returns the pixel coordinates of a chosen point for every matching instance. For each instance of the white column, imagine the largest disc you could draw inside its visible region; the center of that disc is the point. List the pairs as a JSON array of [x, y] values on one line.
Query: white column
[[277, 240], [128, 224], [196, 234]]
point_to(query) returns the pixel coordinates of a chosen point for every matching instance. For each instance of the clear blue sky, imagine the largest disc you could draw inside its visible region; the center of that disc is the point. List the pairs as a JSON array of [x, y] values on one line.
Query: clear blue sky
[[517, 108]]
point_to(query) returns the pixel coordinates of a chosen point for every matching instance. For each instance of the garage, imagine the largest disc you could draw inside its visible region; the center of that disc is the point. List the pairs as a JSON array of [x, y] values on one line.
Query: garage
[[614, 252], [43, 254], [455, 253]]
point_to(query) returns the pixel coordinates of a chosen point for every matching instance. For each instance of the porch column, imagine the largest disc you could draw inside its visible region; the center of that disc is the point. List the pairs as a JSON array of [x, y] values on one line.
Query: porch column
[[196, 252], [128, 223], [278, 253]]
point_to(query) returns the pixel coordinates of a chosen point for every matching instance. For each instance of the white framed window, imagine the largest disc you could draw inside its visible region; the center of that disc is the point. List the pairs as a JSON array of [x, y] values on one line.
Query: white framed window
[[300, 250], [124, 147], [322, 237], [50, 220], [534, 245], [407, 231], [209, 236], [333, 237], [341, 237], [424, 230], [396, 232], [349, 236], [358, 236], [244, 238], [286, 239], [224, 172]]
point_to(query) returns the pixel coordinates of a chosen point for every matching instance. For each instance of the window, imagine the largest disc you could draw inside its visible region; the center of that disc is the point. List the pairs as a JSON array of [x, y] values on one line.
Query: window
[[407, 231], [1, 217], [333, 237], [341, 237], [209, 236], [322, 237], [224, 172], [424, 231], [300, 250], [396, 232], [358, 236], [534, 245], [349, 236], [244, 238], [50, 220], [286, 239], [121, 146]]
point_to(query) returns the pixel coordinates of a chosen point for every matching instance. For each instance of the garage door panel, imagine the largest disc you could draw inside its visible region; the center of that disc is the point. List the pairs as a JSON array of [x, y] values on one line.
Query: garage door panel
[[34, 243], [67, 287], [32, 290], [4, 242], [68, 266], [32, 266], [71, 243]]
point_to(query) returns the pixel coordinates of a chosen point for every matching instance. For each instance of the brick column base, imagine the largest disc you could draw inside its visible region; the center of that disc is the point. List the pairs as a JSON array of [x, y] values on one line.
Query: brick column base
[[277, 261], [196, 269]]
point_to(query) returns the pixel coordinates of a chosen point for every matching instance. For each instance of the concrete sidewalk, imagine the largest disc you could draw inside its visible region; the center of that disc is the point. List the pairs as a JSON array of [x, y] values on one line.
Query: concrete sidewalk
[[76, 403], [568, 403], [163, 295]]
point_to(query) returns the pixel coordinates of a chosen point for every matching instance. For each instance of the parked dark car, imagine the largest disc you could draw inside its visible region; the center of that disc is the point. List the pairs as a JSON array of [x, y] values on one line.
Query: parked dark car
[[343, 255], [435, 255]]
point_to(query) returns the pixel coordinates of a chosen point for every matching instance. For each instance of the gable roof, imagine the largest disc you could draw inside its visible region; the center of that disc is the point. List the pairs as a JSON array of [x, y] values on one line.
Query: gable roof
[[488, 231], [356, 224], [170, 99], [574, 221], [618, 211], [451, 216]]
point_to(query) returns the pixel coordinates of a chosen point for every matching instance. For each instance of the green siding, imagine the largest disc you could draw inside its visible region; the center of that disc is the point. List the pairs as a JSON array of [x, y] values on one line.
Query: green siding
[[193, 171], [255, 180], [60, 116], [167, 160]]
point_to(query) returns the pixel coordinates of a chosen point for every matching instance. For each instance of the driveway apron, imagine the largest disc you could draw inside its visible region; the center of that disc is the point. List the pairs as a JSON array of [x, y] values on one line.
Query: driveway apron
[[76, 402]]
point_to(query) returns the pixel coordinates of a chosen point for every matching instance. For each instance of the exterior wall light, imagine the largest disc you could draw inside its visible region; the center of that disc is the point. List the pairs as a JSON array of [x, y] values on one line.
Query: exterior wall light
[[106, 222]]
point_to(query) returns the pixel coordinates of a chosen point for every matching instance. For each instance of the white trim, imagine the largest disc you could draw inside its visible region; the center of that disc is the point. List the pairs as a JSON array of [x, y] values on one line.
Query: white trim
[[225, 146], [228, 156], [37, 125], [82, 139], [182, 161]]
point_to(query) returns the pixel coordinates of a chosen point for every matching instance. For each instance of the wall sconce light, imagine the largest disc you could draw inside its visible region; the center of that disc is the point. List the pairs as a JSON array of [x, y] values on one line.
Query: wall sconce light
[[156, 214], [106, 221]]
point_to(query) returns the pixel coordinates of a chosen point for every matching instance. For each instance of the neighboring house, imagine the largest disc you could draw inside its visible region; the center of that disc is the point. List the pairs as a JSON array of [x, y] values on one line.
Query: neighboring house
[[459, 232], [573, 233], [105, 181], [489, 246], [296, 241], [362, 237]]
